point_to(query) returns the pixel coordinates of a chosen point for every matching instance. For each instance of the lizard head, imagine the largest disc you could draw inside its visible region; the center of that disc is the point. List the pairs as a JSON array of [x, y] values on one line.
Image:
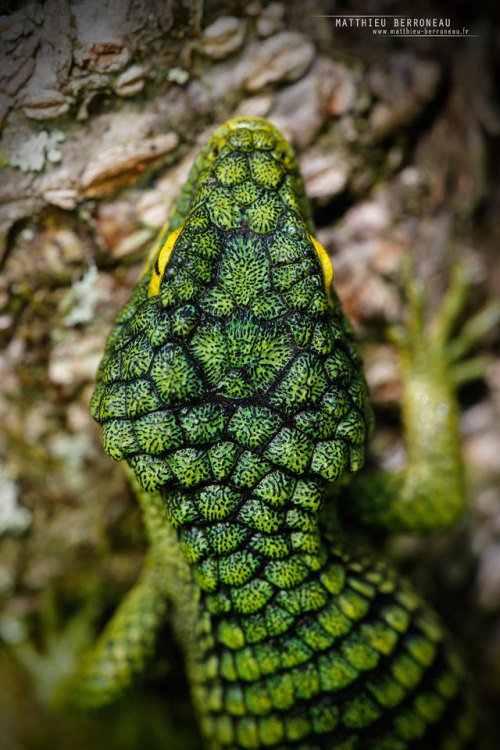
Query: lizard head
[[245, 180], [234, 342]]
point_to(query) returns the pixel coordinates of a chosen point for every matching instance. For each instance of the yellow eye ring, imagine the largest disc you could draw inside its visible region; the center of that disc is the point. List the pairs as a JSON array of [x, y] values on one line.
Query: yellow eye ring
[[326, 264], [161, 263]]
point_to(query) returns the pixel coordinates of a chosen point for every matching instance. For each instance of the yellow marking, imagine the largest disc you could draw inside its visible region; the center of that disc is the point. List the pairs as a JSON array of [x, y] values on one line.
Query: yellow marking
[[161, 263], [326, 264]]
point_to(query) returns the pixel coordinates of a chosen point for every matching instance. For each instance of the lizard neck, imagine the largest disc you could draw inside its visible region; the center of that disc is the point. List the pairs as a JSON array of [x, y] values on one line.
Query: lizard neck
[[247, 544]]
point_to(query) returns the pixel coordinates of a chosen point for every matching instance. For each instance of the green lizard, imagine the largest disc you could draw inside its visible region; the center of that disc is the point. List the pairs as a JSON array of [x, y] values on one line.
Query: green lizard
[[232, 387]]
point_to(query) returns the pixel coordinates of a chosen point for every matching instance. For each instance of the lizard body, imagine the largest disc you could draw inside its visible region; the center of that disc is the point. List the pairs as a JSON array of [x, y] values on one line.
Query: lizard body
[[232, 386]]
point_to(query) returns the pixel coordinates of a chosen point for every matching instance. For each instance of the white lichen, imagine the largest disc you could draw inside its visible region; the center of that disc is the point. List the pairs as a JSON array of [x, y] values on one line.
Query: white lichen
[[178, 75], [81, 299], [38, 149], [14, 519], [12, 630]]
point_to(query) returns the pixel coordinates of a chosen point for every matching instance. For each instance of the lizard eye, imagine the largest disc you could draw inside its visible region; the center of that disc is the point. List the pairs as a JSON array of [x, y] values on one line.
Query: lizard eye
[[326, 263], [161, 263]]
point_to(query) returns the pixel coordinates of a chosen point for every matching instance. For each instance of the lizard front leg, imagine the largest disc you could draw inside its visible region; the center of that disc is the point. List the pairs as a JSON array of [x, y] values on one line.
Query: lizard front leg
[[428, 494]]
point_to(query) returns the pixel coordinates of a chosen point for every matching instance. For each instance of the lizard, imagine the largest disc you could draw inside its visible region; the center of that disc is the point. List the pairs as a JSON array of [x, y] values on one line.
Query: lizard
[[232, 387]]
